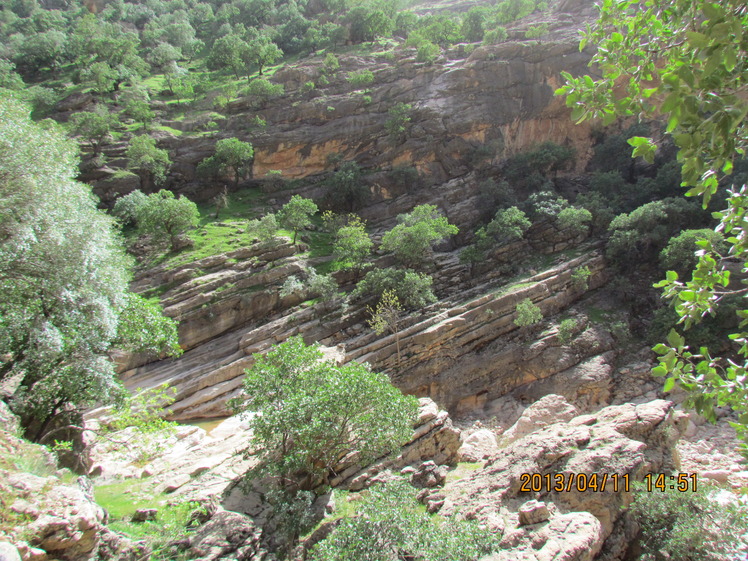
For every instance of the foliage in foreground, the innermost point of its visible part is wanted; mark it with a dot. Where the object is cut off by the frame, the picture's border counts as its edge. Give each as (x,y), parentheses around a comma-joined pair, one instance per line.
(313,412)
(391,525)
(688,526)
(63,277)
(683,59)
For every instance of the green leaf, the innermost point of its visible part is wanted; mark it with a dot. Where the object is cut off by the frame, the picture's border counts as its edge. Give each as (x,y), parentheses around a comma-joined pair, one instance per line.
(675,340)
(669,385)
(697,40)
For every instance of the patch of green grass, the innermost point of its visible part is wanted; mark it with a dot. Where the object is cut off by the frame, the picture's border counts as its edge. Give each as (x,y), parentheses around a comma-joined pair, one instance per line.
(598,315)
(122,498)
(463,470)
(171,525)
(503,290)
(164,128)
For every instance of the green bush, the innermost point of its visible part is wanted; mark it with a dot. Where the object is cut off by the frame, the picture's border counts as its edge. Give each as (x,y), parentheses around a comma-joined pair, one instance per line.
(412,289)
(360,79)
(411,239)
(580,278)
(495,36)
(680,253)
(575,220)
(427,52)
(687,526)
(397,124)
(545,205)
(536,31)
(566,330)
(639,236)
(391,524)
(527,314)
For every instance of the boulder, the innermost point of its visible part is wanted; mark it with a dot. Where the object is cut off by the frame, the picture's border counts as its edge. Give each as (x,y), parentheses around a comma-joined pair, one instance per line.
(429,475)
(226,536)
(8,552)
(549,410)
(144,514)
(479,445)
(626,441)
(533,512)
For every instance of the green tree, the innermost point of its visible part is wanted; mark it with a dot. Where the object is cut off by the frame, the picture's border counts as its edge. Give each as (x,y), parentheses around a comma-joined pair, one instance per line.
(352,244)
(262,51)
(139,110)
(397,124)
(296,214)
(63,276)
(101,75)
(411,239)
(346,187)
(262,90)
(688,526)
(151,162)
(386,317)
(473,24)
(413,290)
(314,411)
(93,126)
(263,229)
(508,225)
(126,208)
(575,220)
(683,60)
(165,216)
(229,52)
(680,255)
(231,154)
(527,313)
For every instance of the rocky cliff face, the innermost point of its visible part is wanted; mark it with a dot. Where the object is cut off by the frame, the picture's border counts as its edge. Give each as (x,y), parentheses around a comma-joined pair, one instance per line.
(493,98)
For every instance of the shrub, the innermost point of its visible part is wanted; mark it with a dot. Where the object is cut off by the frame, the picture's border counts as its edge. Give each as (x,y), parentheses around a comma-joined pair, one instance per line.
(689,526)
(126,208)
(495,36)
(360,79)
(263,90)
(291,285)
(397,124)
(411,239)
(346,187)
(575,220)
(296,214)
(427,52)
(527,314)
(314,411)
(412,289)
(580,278)
(307,87)
(536,31)
(680,253)
(331,62)
(391,524)
(566,330)
(546,204)
(639,236)
(263,229)
(352,244)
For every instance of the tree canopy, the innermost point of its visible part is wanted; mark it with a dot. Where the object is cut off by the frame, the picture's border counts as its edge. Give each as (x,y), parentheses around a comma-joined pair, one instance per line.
(411,239)
(314,411)
(685,61)
(63,276)
(296,214)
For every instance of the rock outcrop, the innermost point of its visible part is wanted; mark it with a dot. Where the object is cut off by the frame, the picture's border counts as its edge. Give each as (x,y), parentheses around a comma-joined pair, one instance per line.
(469,337)
(618,444)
